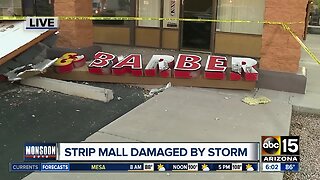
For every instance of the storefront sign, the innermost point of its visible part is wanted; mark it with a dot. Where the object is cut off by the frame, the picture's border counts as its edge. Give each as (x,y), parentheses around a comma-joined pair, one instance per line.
(186,66)
(183,70)
(68,62)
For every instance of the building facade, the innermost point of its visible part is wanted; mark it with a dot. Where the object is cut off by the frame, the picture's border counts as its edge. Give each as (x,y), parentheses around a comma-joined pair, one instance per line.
(273,46)
(243,39)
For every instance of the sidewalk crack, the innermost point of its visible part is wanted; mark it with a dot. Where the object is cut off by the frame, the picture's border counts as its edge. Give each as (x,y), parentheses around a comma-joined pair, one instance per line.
(120,136)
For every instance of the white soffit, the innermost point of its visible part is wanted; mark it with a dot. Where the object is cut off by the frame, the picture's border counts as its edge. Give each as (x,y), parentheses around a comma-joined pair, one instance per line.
(13,36)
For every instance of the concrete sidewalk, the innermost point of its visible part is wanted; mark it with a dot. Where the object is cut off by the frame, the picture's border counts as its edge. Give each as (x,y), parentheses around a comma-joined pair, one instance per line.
(194,115)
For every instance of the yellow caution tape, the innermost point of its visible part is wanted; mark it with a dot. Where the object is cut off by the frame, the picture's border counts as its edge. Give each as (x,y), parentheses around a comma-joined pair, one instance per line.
(284,24)
(311,54)
(12,18)
(102,18)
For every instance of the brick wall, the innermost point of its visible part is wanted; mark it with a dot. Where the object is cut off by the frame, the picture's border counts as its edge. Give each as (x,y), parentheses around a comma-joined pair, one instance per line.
(74,34)
(280,51)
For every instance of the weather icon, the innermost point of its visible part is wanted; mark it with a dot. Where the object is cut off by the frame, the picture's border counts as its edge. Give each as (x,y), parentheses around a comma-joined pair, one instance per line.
(205,168)
(161,168)
(249,167)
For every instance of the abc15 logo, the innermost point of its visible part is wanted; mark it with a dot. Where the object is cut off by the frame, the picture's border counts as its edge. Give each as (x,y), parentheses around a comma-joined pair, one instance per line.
(280,145)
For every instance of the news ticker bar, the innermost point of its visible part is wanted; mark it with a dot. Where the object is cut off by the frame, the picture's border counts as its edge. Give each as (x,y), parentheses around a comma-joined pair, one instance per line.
(154,167)
(135,167)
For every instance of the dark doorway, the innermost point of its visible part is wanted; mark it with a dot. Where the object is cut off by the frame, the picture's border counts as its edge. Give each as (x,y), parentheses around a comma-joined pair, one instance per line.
(196,35)
(38,7)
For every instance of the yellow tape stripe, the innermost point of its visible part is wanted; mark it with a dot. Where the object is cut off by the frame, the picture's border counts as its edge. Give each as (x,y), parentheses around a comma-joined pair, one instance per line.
(21,18)
(311,54)
(284,24)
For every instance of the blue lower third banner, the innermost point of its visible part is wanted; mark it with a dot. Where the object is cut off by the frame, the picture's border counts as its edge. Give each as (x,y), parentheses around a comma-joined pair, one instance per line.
(207,167)
(135,167)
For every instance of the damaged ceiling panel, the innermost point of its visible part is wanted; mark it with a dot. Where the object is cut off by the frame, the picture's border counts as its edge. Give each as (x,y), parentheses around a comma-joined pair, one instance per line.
(13,36)
(23,50)
(29,70)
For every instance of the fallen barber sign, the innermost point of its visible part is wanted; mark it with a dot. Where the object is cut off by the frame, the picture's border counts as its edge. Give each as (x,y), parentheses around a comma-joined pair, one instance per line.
(185,66)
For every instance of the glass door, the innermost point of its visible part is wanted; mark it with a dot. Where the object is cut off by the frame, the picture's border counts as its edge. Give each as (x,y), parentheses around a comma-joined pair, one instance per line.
(196,35)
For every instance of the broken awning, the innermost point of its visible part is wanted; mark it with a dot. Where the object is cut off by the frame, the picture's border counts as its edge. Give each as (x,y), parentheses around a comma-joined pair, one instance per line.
(14,39)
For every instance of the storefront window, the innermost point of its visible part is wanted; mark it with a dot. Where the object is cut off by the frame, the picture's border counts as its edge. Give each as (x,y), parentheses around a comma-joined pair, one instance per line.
(252,10)
(44,7)
(314,19)
(10,8)
(112,8)
(171,10)
(149,8)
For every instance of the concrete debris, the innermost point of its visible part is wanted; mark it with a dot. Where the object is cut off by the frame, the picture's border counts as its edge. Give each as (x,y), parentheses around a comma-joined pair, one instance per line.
(236,68)
(29,70)
(255,101)
(157,90)
(70,88)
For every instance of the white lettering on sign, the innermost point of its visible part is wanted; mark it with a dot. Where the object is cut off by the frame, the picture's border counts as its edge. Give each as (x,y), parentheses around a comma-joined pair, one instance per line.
(187,66)
(160,64)
(216,67)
